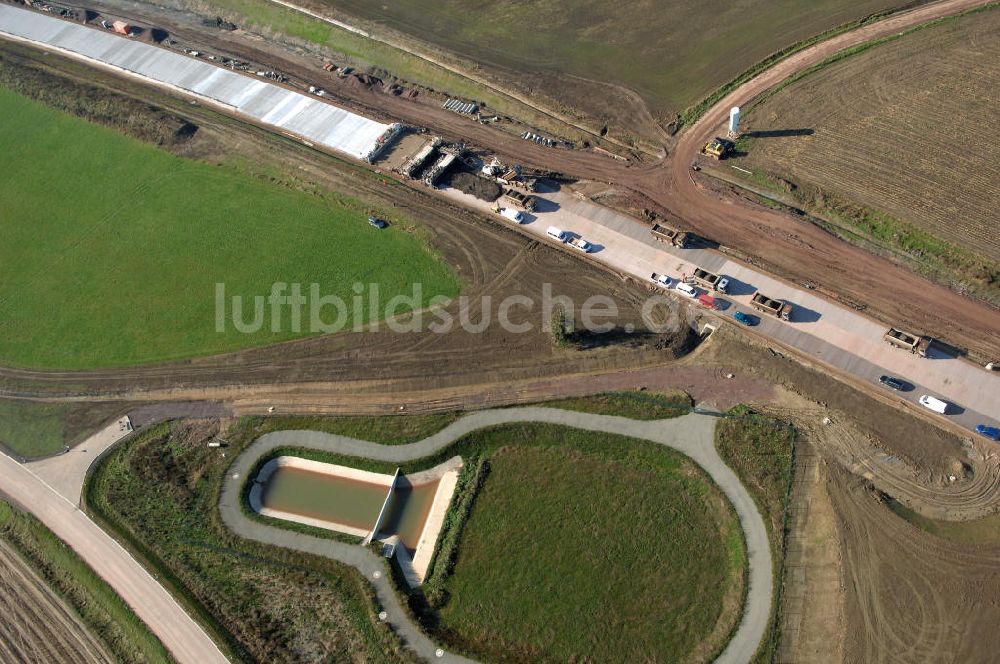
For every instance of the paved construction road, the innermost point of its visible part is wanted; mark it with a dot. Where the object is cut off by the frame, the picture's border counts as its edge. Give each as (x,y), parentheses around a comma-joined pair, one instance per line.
(181,635)
(692,435)
(819,329)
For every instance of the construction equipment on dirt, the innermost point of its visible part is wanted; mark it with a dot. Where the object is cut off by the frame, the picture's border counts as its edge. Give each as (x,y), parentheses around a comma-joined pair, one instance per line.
(916,344)
(518,200)
(439,168)
(777,308)
(666,234)
(419,160)
(718,148)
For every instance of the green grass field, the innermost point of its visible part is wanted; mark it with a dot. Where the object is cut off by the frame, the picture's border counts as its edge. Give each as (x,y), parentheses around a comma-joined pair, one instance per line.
(579,545)
(672,53)
(158,493)
(100,608)
(112,248)
(633,404)
(570,557)
(35,429)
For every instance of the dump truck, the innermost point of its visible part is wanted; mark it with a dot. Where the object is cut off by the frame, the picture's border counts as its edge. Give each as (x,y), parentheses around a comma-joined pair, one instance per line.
(667,234)
(706,278)
(778,308)
(718,148)
(519,200)
(912,342)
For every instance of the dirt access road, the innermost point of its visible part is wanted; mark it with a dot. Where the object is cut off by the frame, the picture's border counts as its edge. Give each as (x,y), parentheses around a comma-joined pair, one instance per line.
(804,250)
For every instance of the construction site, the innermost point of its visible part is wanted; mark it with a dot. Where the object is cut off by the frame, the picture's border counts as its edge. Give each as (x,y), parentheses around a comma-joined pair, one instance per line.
(849,397)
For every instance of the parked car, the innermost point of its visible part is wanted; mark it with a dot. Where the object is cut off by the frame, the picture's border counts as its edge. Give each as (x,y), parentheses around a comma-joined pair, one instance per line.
(723,285)
(892,382)
(377,223)
(992,433)
(745,319)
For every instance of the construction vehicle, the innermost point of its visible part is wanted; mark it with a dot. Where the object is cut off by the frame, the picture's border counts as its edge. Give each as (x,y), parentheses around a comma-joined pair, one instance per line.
(706,278)
(916,344)
(519,200)
(667,234)
(777,308)
(718,148)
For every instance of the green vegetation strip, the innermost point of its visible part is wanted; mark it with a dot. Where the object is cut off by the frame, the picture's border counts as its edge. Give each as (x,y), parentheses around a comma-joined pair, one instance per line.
(106,233)
(100,608)
(978,532)
(635,405)
(761,451)
(159,494)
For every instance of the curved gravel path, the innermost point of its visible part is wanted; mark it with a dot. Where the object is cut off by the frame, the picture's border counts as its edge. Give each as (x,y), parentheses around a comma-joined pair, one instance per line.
(692,435)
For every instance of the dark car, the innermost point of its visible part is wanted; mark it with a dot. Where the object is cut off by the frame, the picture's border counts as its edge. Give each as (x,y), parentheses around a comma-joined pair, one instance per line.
(746,319)
(894,383)
(990,432)
(377,223)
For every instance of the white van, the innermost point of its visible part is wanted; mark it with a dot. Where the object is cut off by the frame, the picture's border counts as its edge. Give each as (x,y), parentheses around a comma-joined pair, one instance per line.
(512,214)
(687,289)
(556,233)
(934,404)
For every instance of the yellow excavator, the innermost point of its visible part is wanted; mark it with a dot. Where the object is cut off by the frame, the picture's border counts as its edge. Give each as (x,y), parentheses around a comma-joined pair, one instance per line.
(718,148)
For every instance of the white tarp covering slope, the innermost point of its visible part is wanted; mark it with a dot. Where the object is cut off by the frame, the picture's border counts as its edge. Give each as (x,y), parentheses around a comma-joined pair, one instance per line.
(299,114)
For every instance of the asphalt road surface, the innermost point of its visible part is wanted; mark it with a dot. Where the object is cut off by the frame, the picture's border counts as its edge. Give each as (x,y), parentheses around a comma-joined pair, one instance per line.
(178,632)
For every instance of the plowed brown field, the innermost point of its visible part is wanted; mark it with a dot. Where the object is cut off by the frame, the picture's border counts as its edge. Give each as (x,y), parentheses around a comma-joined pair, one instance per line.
(909,128)
(36,625)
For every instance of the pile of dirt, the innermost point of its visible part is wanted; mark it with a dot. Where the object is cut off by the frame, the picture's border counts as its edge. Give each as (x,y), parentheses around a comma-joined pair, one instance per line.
(478,186)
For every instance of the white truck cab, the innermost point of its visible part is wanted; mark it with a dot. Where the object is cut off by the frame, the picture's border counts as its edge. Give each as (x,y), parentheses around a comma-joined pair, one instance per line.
(556,233)
(933,403)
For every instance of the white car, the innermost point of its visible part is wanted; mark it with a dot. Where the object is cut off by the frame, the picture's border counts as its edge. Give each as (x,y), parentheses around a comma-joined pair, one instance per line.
(581,244)
(556,233)
(686,289)
(661,280)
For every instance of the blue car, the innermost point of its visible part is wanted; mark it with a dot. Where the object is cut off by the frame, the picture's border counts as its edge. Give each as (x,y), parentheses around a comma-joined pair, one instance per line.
(990,432)
(746,319)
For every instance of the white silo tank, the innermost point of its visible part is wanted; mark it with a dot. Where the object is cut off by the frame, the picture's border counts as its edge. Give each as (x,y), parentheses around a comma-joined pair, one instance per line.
(734,120)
